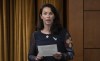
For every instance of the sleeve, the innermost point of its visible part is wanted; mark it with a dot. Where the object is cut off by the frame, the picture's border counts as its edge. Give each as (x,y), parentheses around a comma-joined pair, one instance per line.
(69,48)
(32,50)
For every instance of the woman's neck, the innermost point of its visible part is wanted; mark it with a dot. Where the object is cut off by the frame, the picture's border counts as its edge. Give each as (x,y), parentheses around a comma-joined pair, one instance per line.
(46,29)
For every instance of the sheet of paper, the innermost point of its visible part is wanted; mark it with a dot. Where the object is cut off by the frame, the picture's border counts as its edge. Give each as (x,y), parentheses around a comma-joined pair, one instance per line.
(47,50)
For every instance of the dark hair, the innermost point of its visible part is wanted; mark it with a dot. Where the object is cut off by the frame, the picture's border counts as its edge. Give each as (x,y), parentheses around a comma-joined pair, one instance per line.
(56,26)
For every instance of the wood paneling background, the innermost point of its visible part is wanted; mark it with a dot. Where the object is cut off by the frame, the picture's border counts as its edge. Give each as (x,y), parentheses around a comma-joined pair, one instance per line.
(83,23)
(75,24)
(91,30)
(91,4)
(92,55)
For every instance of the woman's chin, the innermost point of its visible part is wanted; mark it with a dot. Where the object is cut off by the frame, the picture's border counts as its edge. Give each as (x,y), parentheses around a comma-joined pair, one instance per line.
(48,23)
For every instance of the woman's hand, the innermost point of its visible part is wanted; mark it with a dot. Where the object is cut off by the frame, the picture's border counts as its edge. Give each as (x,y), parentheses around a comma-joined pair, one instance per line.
(38,57)
(57,55)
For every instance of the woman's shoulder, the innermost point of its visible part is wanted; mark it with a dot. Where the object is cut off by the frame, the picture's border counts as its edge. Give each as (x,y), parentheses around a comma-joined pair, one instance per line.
(35,32)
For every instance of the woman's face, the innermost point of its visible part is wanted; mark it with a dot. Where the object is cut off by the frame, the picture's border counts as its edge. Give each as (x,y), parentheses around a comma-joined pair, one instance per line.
(47,16)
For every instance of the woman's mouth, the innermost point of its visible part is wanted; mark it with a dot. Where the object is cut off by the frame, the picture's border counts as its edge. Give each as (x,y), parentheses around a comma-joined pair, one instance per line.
(48,20)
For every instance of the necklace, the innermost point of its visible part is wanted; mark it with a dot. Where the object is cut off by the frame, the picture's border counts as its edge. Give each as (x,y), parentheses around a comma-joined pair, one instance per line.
(47,36)
(55,38)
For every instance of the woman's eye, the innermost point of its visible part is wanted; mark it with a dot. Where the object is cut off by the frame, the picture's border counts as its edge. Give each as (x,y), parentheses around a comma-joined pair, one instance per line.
(51,13)
(44,13)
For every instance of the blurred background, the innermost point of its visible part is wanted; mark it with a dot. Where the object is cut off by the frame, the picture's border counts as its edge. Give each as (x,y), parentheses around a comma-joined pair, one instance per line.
(18,19)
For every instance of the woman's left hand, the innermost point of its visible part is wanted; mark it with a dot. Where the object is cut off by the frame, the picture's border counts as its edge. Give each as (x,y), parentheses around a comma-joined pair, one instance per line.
(57,55)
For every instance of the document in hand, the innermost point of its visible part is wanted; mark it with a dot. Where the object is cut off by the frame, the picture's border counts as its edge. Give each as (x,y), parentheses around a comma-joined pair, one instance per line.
(47,50)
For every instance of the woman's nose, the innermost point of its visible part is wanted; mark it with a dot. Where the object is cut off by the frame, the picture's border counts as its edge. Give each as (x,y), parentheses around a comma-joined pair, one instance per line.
(48,16)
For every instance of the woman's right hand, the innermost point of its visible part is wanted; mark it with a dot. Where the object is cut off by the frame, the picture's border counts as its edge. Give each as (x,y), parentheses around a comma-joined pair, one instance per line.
(57,55)
(38,57)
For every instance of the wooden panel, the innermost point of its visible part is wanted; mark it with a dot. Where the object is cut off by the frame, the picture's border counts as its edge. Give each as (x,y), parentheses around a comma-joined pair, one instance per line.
(92,55)
(75,24)
(91,4)
(92,29)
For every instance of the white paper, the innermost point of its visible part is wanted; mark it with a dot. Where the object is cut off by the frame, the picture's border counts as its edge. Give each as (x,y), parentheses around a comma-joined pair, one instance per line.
(47,50)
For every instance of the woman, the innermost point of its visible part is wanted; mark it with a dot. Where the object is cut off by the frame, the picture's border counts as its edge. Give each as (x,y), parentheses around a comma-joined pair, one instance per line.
(50,32)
